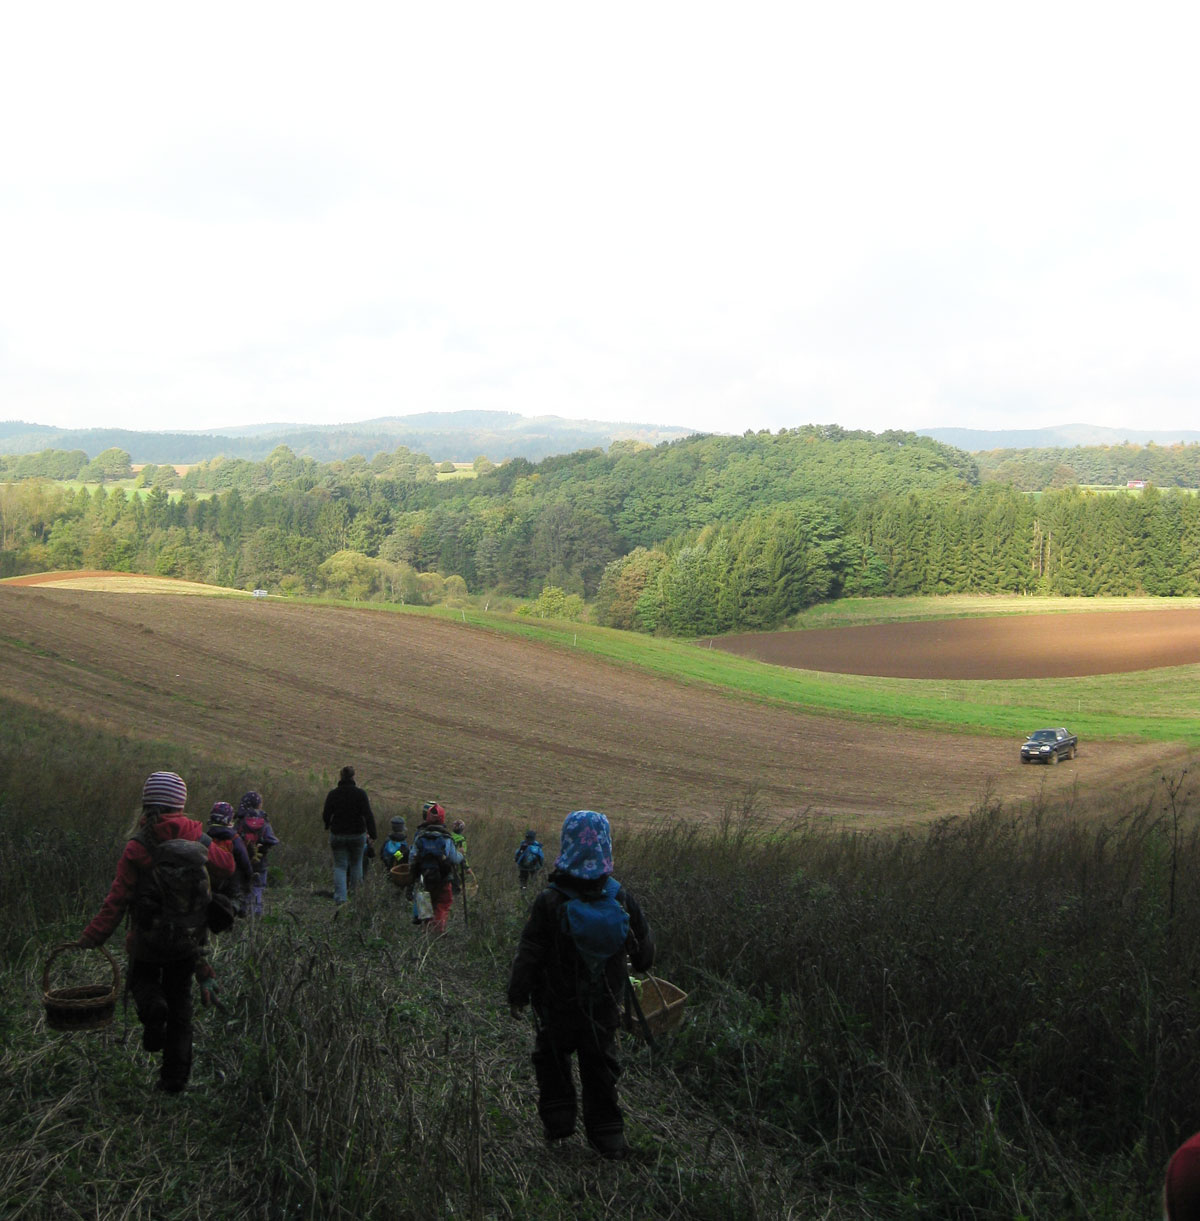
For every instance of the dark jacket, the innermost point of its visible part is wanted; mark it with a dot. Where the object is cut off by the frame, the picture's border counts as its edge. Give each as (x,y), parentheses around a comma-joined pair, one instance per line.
(546,969)
(347,810)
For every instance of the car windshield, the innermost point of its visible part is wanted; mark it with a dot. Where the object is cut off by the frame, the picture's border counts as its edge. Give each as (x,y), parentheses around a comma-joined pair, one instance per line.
(1044,735)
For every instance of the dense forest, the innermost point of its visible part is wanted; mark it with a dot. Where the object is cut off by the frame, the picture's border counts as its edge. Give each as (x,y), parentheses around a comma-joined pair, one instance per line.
(691,537)
(1036,470)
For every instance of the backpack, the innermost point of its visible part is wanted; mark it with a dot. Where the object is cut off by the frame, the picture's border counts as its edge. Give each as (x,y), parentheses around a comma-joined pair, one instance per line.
(250,829)
(530,857)
(433,867)
(598,927)
(171,901)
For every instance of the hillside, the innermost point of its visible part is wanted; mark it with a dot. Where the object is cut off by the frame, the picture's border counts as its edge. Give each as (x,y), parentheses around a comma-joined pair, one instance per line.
(484,719)
(451,436)
(1055,436)
(992,1014)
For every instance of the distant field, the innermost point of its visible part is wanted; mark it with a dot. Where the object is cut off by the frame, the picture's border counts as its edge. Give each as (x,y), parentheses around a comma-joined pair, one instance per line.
(495,712)
(850,612)
(126,485)
(1000,647)
(121,582)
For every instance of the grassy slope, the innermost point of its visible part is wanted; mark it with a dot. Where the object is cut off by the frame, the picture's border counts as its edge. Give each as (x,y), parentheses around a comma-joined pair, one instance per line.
(1155,705)
(349,1058)
(1160,705)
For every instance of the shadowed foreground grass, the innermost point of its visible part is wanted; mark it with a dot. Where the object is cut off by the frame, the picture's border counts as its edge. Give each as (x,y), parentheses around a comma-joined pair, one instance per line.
(997,1018)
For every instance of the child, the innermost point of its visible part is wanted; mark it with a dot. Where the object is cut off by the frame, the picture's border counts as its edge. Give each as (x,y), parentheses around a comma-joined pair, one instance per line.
(529,857)
(395,848)
(256,833)
(167,932)
(434,861)
(576,997)
(220,828)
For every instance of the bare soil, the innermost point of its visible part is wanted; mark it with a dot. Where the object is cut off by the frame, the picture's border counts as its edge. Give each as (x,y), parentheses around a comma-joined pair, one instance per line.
(482,720)
(1060,645)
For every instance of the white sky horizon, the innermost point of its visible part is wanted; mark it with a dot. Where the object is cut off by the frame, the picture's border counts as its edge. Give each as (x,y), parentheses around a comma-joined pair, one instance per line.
(711,216)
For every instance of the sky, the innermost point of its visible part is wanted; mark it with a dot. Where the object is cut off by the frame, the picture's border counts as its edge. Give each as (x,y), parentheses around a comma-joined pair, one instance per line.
(714,215)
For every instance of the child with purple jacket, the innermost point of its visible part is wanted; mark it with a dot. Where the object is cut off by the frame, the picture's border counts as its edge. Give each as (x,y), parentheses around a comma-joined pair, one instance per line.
(256,833)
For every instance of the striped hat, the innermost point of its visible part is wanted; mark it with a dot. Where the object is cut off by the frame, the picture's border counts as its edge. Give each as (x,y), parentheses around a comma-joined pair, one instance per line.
(164,789)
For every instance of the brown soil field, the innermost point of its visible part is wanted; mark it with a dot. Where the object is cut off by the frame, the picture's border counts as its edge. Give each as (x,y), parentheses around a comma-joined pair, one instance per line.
(1060,645)
(481,720)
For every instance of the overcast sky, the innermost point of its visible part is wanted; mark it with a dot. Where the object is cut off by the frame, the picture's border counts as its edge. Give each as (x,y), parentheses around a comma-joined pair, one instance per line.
(722,216)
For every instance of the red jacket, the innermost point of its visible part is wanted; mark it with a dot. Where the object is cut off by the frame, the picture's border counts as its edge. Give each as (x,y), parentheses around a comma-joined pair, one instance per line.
(134,859)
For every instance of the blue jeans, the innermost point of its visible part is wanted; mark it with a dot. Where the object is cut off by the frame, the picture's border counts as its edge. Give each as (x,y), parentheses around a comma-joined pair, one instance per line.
(347,863)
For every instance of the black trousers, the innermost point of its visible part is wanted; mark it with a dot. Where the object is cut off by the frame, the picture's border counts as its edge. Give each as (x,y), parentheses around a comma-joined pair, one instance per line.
(595,1047)
(163,991)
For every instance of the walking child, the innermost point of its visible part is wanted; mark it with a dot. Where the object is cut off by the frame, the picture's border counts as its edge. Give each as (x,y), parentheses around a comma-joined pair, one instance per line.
(434,862)
(255,832)
(395,848)
(164,880)
(529,857)
(583,932)
(236,888)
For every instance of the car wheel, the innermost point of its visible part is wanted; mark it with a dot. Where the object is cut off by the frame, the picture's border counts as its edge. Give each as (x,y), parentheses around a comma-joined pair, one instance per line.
(1053,757)
(1073,750)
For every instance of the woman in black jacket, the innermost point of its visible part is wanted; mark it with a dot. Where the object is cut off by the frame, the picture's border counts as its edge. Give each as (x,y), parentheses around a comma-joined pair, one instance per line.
(583,933)
(351,825)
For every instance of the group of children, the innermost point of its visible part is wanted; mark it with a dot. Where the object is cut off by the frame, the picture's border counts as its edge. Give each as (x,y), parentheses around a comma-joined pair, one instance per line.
(437,860)
(250,836)
(583,933)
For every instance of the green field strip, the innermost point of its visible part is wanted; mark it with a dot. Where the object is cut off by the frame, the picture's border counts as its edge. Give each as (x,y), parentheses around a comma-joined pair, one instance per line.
(1161,705)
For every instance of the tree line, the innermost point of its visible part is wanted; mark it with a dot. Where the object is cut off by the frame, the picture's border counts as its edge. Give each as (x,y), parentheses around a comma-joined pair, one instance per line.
(694,537)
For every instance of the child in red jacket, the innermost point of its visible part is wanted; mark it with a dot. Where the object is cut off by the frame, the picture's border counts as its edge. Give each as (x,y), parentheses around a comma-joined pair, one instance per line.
(167,929)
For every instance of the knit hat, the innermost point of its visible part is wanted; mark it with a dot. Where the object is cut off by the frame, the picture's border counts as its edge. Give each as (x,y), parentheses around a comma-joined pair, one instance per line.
(1181,1195)
(460,827)
(250,803)
(398,824)
(531,834)
(164,789)
(221,814)
(586,846)
(433,812)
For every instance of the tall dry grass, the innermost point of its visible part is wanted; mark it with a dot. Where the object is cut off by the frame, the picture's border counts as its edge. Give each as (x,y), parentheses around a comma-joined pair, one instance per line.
(996,1018)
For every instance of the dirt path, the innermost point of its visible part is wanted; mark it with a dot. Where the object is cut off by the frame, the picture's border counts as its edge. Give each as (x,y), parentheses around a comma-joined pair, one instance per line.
(484,720)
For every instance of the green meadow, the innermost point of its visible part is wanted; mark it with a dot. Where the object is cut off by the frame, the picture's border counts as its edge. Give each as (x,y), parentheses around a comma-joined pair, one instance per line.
(1161,705)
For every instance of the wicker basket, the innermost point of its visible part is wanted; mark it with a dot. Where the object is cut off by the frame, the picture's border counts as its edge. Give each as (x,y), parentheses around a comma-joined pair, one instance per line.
(399,874)
(662,1007)
(85,1007)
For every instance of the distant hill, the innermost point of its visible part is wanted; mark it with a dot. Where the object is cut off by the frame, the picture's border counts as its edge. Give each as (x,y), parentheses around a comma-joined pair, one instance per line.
(1059,436)
(455,436)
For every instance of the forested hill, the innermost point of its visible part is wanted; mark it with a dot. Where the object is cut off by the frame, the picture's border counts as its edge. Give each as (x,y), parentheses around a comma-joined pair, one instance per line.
(707,534)
(455,436)
(1035,470)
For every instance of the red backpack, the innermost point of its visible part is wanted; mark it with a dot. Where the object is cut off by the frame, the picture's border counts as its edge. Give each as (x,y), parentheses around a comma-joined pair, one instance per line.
(250,830)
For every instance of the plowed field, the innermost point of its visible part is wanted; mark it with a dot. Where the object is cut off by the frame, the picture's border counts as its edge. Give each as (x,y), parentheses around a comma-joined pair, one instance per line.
(480,719)
(1009,646)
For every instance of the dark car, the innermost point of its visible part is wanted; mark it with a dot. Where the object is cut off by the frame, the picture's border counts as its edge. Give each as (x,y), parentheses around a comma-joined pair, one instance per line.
(1048,746)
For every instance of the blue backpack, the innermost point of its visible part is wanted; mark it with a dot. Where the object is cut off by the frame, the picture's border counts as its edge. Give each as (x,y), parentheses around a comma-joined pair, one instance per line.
(431,860)
(531,857)
(598,927)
